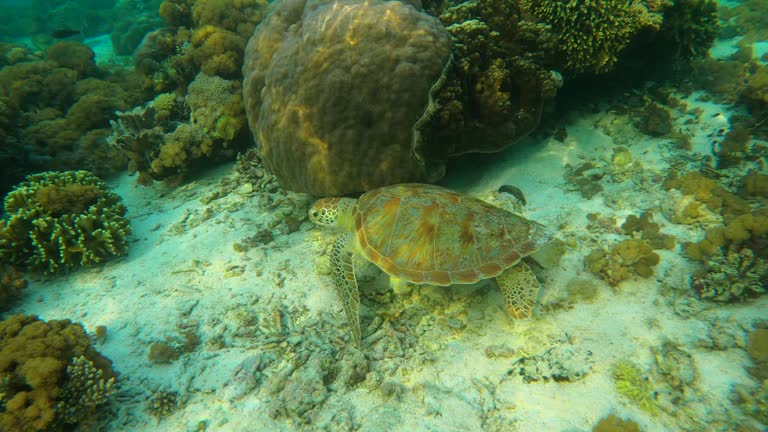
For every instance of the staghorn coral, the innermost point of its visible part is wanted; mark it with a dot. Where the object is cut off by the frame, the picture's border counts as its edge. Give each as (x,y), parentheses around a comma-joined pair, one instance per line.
(344,93)
(86,387)
(52,378)
(627,258)
(58,221)
(690,26)
(591,34)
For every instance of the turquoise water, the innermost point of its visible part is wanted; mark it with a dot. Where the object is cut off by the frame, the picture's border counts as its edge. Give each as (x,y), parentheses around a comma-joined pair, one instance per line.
(596,261)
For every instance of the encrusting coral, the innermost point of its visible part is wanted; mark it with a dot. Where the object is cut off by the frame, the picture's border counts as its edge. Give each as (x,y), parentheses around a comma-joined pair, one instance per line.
(51,378)
(58,221)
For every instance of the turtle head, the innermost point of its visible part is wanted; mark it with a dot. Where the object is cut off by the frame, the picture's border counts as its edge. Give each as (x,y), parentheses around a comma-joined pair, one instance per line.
(333,212)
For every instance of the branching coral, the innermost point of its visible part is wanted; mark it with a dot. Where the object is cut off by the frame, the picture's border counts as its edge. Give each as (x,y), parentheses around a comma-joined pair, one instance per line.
(592,33)
(691,25)
(51,378)
(631,383)
(59,221)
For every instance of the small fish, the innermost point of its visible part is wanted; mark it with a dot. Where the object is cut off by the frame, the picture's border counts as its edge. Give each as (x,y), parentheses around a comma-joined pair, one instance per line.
(64,33)
(514,191)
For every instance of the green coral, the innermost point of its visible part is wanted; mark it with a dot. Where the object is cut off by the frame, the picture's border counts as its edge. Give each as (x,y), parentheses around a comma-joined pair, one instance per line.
(58,221)
(631,383)
(592,33)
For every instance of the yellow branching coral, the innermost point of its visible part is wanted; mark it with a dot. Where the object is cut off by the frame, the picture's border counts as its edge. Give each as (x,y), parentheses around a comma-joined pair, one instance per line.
(631,383)
(592,33)
(59,221)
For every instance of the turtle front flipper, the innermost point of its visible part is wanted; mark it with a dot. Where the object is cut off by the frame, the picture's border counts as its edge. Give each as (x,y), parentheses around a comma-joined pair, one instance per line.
(520,289)
(346,283)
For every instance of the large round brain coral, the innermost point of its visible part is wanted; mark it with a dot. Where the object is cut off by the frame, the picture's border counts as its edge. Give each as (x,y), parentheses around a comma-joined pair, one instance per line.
(333,91)
(58,221)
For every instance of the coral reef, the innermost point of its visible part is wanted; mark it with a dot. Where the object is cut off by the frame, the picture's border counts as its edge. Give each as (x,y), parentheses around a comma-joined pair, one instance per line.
(51,378)
(12,283)
(325,122)
(171,136)
(612,423)
(757,348)
(648,230)
(591,34)
(627,258)
(163,403)
(563,362)
(216,106)
(54,112)
(58,221)
(631,383)
(493,92)
(690,26)
(734,276)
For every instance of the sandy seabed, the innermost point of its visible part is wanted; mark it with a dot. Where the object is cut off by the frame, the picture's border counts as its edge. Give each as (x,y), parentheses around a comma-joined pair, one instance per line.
(232,280)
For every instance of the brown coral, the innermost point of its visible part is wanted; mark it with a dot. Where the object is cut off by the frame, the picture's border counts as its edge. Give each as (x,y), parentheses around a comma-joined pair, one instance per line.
(629,257)
(346,86)
(36,372)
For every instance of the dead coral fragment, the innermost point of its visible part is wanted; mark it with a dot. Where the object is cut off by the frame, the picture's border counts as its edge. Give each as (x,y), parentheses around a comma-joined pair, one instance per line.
(629,257)
(63,220)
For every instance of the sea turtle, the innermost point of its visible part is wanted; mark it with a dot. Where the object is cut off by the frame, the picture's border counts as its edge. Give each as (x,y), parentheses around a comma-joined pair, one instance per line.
(426,234)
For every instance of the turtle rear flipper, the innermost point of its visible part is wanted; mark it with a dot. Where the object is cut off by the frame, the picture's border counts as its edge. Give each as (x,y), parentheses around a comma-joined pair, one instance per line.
(520,288)
(346,283)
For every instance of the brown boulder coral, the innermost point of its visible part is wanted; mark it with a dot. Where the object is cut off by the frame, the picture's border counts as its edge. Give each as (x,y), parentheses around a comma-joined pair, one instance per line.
(333,92)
